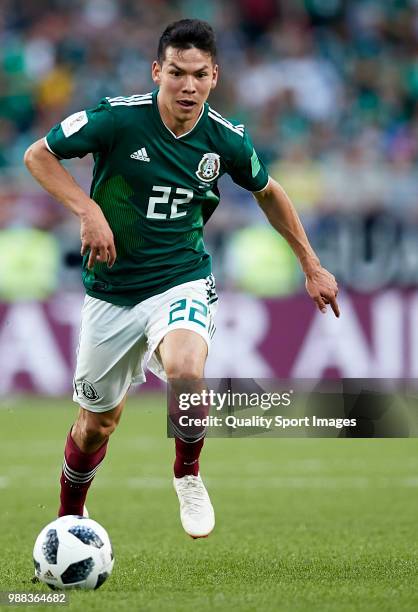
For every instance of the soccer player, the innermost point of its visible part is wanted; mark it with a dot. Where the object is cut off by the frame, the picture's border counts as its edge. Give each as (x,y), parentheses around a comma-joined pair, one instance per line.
(157,159)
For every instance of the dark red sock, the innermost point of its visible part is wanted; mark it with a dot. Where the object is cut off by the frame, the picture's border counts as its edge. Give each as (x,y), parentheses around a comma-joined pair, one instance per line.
(187,458)
(78,471)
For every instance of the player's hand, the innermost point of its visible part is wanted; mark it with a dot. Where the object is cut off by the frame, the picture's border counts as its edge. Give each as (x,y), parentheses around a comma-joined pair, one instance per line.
(97,237)
(323,289)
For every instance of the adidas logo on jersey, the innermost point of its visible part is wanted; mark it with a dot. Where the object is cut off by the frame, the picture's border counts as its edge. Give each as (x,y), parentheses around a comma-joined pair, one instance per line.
(141,155)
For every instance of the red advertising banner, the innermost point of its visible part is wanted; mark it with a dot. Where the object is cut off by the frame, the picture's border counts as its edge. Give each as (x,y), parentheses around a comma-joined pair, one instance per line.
(375,337)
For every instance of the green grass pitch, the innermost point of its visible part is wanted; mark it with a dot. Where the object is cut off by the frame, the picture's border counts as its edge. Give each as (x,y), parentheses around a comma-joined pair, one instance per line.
(302,524)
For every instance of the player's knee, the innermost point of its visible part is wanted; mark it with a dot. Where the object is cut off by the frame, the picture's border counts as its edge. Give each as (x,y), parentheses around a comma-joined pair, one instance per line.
(102,430)
(95,428)
(185,368)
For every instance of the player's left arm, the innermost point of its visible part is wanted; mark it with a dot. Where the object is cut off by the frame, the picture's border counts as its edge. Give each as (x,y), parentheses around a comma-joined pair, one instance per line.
(281,214)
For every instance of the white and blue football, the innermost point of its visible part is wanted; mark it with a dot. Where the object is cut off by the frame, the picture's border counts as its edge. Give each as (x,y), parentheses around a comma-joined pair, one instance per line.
(73,552)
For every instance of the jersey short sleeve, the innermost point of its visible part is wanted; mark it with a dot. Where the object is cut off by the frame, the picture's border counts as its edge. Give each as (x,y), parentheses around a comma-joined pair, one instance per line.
(87,131)
(249,171)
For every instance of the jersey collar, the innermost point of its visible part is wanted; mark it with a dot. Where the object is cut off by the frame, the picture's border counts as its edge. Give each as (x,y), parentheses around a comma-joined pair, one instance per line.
(199,122)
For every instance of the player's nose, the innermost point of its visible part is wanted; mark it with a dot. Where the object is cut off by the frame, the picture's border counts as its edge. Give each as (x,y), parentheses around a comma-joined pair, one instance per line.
(189,85)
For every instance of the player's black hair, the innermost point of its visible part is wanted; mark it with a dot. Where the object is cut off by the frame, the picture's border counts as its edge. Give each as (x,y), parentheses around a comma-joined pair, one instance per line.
(186,34)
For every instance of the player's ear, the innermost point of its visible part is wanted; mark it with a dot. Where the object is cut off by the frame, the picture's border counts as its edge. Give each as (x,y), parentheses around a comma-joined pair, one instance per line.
(215,76)
(156,72)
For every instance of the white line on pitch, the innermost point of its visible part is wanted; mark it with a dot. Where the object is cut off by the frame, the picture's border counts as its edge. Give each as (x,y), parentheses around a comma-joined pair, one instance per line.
(245,483)
(4,482)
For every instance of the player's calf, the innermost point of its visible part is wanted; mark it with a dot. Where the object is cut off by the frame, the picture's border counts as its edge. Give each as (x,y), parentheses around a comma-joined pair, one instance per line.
(85,449)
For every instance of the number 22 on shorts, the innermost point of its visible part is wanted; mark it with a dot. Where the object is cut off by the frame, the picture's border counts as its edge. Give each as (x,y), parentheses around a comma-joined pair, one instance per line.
(188,310)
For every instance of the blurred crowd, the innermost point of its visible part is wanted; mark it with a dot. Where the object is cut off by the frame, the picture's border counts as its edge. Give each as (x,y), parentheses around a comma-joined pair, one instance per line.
(327,88)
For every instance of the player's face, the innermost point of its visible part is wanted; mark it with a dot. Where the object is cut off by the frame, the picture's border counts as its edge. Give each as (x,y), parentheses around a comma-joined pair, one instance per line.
(185,79)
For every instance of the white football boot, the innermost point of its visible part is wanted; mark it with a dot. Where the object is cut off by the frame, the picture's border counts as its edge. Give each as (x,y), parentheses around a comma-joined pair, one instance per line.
(196,511)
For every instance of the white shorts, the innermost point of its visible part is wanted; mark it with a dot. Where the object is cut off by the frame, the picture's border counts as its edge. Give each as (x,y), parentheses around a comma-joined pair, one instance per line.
(117,342)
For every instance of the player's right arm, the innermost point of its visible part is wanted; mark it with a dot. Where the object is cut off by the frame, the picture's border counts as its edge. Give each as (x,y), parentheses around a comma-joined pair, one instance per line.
(90,131)
(96,235)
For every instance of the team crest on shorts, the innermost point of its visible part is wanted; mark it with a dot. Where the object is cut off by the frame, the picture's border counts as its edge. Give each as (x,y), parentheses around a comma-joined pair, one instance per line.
(88,390)
(208,168)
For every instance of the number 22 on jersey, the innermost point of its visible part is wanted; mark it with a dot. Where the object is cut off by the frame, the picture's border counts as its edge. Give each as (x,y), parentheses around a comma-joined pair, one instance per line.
(164,198)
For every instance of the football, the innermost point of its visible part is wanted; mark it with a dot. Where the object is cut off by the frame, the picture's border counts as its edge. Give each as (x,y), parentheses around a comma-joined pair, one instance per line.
(73,552)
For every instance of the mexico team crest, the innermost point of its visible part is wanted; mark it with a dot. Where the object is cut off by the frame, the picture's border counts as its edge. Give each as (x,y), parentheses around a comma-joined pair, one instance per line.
(88,390)
(208,168)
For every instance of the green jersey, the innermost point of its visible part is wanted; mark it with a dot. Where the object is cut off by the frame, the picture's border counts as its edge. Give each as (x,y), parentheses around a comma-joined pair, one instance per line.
(155,189)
